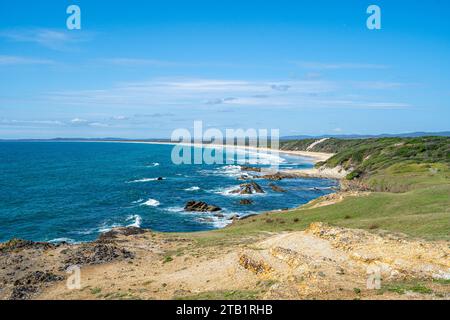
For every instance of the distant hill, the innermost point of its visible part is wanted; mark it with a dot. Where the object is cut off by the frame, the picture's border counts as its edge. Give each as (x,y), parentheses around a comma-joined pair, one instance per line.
(384,135)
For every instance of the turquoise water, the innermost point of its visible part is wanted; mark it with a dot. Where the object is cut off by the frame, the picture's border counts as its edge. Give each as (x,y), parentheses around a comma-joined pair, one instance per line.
(72,191)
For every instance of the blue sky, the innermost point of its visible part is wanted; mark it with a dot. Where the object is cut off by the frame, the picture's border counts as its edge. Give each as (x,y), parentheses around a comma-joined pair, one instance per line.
(140,69)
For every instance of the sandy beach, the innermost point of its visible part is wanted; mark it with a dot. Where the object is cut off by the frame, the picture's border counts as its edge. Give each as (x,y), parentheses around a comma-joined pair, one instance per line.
(314,156)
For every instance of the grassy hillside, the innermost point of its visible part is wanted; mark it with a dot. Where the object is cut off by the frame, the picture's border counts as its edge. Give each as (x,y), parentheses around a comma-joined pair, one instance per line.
(410,178)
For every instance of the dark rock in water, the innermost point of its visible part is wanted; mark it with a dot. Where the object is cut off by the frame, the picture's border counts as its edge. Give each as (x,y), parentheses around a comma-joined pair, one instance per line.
(219,215)
(160,179)
(246,202)
(114,233)
(29,285)
(234,217)
(245,177)
(248,188)
(278,176)
(254,169)
(96,253)
(199,206)
(275,177)
(276,188)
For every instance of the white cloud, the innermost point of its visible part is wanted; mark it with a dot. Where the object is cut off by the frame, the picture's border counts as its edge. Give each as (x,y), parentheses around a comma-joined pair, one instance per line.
(98,124)
(162,95)
(49,38)
(137,62)
(18,60)
(378,85)
(14,122)
(119,118)
(78,121)
(335,66)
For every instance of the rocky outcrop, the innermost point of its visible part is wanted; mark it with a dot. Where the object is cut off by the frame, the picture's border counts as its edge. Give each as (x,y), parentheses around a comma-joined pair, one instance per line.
(246,202)
(246,177)
(199,206)
(278,176)
(248,188)
(29,285)
(257,267)
(125,231)
(276,188)
(254,169)
(95,253)
(19,244)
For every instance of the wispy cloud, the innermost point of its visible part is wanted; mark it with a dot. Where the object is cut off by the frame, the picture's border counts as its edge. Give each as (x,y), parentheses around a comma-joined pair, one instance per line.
(14,122)
(191,92)
(137,62)
(155,115)
(54,39)
(220,101)
(379,85)
(174,95)
(18,60)
(280,87)
(334,66)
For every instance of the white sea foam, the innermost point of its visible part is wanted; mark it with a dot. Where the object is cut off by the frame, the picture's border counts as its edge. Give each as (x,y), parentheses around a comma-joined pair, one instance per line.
(105,228)
(137,221)
(245,156)
(151,203)
(59,240)
(152,165)
(138,201)
(143,180)
(175,209)
(195,188)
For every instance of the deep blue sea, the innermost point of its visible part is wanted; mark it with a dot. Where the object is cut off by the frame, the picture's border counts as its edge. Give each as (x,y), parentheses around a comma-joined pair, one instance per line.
(72,191)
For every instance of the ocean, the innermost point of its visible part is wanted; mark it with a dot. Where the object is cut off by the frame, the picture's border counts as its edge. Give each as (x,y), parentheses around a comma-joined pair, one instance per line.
(73,191)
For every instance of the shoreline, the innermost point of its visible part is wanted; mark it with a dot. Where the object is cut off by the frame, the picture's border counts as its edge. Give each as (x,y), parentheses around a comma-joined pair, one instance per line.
(313,157)
(337,173)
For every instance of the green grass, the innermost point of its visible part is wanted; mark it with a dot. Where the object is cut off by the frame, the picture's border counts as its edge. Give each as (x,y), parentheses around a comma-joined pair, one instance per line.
(410,180)
(405,287)
(421,212)
(96,290)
